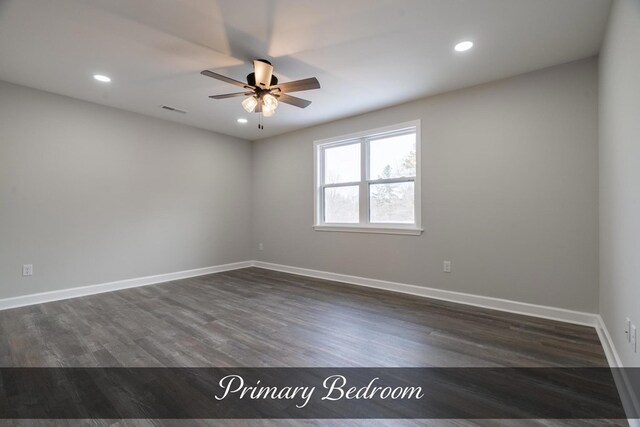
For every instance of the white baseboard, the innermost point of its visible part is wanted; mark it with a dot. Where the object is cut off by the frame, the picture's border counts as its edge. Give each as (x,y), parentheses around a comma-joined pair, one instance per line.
(546,312)
(553,313)
(630,400)
(21,301)
(607,344)
(627,396)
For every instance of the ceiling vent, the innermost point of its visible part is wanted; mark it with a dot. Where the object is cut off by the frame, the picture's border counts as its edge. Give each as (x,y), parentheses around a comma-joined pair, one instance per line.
(174,109)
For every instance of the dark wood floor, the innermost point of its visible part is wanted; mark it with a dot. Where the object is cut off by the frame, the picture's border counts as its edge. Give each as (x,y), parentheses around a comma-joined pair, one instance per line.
(311,423)
(256,317)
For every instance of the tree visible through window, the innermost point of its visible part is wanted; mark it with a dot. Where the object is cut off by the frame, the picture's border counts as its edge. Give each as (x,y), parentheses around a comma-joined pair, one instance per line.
(369,180)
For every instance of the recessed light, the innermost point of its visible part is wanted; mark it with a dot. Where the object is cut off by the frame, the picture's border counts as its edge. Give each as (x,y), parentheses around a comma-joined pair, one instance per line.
(462,46)
(243,121)
(101,78)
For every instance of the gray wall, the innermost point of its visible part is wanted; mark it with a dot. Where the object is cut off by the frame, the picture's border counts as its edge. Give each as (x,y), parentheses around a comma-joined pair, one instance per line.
(509,193)
(620,175)
(91,194)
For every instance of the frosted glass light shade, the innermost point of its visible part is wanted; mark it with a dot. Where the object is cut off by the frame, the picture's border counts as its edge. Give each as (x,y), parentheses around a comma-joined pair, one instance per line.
(267,112)
(269,102)
(250,104)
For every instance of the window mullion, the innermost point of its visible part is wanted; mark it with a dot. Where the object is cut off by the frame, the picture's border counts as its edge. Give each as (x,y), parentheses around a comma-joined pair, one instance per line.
(342,184)
(364,186)
(320,189)
(391,180)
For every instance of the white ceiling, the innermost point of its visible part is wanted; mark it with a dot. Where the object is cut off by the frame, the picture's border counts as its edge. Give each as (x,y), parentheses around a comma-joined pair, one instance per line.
(367,54)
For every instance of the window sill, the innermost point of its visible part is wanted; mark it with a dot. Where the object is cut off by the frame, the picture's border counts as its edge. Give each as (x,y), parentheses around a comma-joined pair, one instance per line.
(406,231)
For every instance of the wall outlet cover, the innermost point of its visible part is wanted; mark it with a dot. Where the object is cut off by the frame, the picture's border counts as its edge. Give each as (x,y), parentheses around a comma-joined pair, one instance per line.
(27,270)
(447,266)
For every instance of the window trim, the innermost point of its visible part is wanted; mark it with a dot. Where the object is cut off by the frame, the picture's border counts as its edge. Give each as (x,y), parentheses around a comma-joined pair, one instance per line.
(364,226)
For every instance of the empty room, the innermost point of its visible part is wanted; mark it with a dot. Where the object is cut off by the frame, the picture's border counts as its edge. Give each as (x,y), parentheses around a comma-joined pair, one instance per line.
(320,213)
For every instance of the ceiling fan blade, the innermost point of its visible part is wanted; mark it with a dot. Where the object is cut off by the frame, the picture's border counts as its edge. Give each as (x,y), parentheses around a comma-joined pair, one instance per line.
(226,79)
(299,85)
(230,95)
(292,100)
(263,73)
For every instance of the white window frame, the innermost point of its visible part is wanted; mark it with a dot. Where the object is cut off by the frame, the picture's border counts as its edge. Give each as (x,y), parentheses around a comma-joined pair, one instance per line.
(363,138)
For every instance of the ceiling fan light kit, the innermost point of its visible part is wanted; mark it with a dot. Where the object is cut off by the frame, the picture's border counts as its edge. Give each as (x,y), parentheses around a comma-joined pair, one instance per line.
(269,102)
(263,91)
(249,104)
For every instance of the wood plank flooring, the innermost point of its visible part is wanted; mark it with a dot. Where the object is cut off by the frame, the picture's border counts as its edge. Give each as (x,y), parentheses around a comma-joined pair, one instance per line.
(255,317)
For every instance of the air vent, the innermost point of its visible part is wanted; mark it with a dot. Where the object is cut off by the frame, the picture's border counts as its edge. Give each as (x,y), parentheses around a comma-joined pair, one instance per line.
(174,109)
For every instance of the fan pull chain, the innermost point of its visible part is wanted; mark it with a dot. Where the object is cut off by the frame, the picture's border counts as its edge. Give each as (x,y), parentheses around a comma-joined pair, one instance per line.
(260,125)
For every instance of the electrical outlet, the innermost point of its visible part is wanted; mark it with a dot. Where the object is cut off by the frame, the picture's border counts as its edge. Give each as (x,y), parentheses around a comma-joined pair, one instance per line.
(627,329)
(260,246)
(27,270)
(447,266)
(634,341)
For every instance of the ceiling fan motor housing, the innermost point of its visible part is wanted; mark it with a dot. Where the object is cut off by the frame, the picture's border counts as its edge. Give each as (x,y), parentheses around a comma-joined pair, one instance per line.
(251,79)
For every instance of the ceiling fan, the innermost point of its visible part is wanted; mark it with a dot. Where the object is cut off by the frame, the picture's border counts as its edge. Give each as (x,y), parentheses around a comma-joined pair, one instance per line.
(263,91)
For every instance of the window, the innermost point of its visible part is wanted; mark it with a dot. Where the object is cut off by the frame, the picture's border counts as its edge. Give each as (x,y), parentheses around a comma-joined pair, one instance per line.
(369,182)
